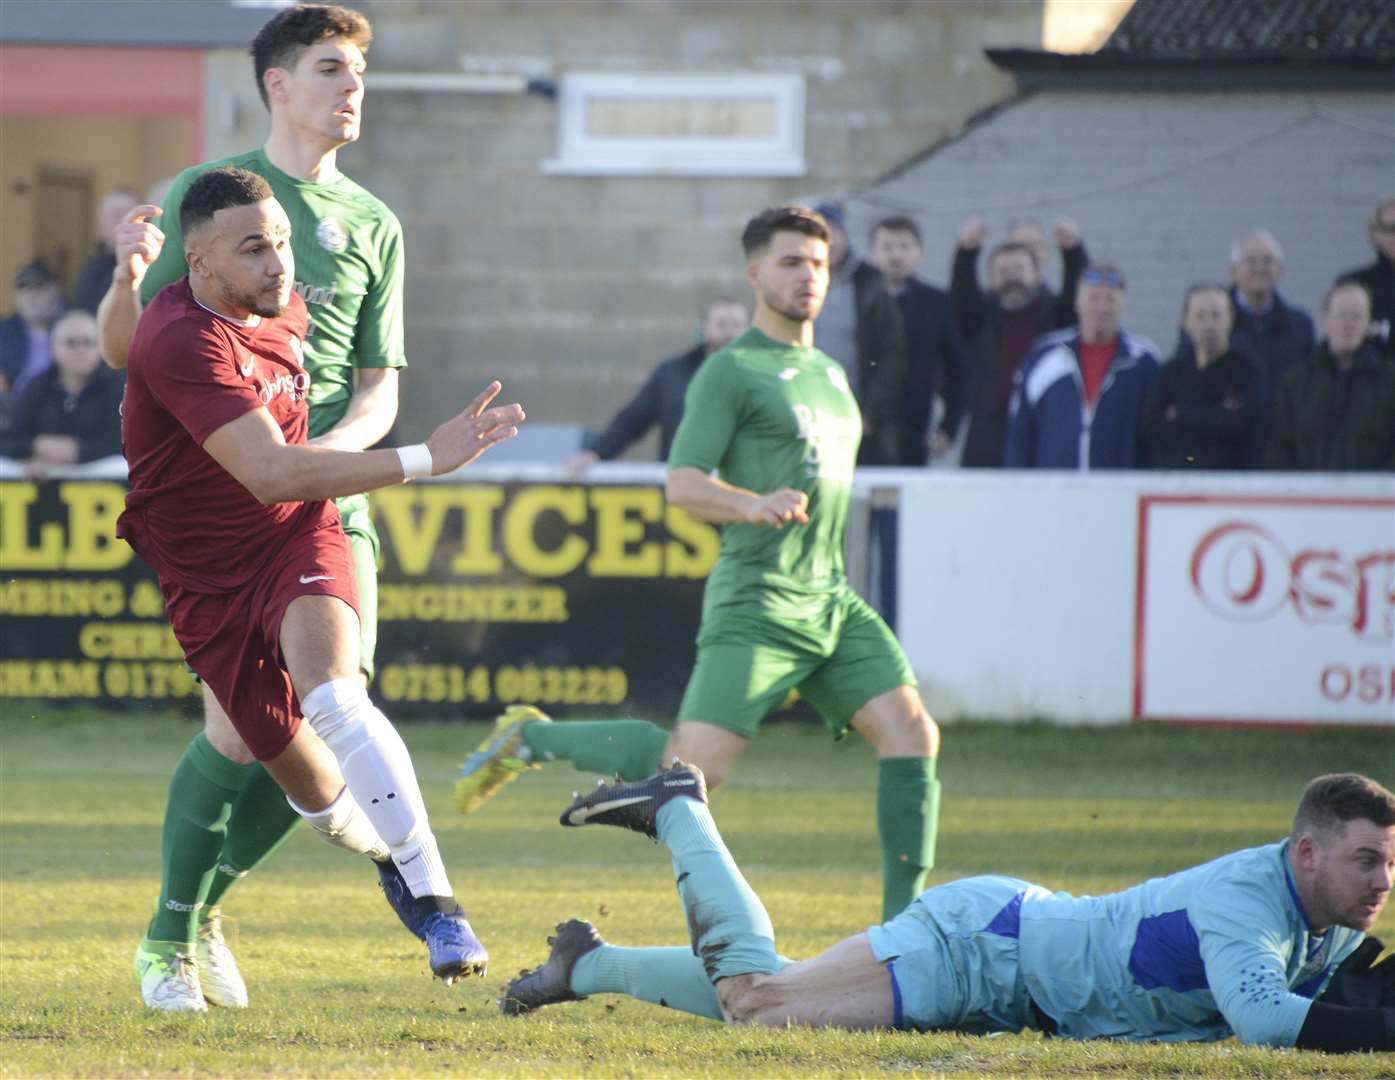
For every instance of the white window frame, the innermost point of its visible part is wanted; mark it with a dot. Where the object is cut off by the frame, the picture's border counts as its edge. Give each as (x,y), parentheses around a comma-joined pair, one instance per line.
(581,154)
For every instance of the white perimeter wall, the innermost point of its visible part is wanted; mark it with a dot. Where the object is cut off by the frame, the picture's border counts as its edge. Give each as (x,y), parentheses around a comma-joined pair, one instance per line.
(1019,596)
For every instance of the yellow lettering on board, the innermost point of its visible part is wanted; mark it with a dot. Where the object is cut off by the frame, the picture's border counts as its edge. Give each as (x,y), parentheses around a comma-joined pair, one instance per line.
(621,513)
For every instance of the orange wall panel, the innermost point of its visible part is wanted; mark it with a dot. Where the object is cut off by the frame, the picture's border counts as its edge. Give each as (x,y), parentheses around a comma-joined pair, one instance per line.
(61,80)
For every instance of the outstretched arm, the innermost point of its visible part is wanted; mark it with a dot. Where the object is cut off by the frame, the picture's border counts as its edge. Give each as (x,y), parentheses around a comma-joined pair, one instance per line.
(254,451)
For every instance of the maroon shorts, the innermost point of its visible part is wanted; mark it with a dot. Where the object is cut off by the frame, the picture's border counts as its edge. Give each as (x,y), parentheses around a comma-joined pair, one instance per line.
(232,639)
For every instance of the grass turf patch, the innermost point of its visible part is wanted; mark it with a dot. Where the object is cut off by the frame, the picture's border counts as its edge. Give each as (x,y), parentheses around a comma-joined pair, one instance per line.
(339,990)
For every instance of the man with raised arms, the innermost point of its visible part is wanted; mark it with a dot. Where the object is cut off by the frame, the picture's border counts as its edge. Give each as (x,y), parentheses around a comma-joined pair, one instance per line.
(228,503)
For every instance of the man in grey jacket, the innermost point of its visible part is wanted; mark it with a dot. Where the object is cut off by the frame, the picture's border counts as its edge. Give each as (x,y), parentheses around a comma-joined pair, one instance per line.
(861,328)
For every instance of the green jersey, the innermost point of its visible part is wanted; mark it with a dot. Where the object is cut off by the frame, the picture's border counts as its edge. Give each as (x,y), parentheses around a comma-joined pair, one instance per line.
(348,270)
(768,416)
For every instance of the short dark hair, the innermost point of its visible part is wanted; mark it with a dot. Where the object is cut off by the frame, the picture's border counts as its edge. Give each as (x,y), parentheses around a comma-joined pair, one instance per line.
(761,229)
(1330,801)
(897,223)
(1206,286)
(1010,247)
(289,33)
(1345,283)
(217,189)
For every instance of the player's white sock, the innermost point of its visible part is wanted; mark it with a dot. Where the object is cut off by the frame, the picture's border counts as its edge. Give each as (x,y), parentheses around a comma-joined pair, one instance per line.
(344,824)
(378,771)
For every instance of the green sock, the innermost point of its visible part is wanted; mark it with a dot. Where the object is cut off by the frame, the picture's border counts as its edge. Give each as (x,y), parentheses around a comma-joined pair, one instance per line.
(631,749)
(202,791)
(261,821)
(908,809)
(672,977)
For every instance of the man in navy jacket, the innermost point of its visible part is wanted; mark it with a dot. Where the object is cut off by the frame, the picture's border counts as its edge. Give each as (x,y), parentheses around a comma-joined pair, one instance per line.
(1080,393)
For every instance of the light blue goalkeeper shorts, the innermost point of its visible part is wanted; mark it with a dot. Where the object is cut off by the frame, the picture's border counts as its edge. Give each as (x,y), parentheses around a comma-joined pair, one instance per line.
(952,955)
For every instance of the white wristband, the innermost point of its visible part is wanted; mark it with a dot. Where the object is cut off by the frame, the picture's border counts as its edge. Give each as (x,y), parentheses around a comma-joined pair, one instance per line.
(416,460)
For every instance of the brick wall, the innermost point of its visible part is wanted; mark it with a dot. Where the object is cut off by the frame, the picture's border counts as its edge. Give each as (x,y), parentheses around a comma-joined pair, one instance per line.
(570,289)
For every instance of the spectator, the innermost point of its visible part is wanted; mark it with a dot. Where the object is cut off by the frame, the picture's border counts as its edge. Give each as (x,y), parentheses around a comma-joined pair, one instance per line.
(1201,411)
(1079,396)
(1030,234)
(1270,330)
(94,278)
(1379,277)
(24,352)
(932,349)
(660,399)
(861,328)
(997,328)
(1336,411)
(70,413)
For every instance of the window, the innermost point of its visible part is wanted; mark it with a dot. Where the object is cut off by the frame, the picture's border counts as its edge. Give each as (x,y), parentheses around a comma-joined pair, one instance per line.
(680,125)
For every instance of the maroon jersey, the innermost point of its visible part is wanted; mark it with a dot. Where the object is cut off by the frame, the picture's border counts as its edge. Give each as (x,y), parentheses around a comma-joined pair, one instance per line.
(189,372)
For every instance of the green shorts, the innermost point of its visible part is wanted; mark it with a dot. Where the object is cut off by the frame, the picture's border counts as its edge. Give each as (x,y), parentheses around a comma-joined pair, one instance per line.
(747,663)
(363,540)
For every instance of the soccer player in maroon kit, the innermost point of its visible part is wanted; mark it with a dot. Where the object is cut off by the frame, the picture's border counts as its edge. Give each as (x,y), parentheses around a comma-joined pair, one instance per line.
(229,505)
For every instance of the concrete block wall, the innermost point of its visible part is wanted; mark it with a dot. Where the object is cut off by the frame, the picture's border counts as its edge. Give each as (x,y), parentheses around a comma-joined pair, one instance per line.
(1162,182)
(571,289)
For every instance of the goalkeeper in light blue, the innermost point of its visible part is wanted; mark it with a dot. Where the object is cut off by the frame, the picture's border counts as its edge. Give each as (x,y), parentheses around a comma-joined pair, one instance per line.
(1268,944)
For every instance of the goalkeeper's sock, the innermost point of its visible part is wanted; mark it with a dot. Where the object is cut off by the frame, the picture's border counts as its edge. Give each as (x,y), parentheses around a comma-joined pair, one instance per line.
(261,821)
(908,810)
(731,929)
(202,791)
(672,977)
(630,749)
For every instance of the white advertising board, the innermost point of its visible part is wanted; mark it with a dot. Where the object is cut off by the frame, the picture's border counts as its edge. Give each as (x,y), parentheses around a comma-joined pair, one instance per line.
(1265,609)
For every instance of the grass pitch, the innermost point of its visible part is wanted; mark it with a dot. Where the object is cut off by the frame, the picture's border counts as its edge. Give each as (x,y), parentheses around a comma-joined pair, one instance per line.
(339,990)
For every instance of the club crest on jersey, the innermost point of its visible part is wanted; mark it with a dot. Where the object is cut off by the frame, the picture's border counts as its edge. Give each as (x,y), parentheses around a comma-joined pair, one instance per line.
(299,352)
(331,235)
(789,373)
(839,378)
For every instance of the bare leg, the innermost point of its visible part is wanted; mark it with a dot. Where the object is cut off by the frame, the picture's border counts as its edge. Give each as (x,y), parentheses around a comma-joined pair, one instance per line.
(897,725)
(714,750)
(843,987)
(219,731)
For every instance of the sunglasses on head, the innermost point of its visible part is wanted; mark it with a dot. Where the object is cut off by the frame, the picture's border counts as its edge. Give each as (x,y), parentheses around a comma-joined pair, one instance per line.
(1102,277)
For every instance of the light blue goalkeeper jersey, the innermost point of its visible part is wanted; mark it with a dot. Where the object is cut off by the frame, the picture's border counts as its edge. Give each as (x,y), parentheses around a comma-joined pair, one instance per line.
(1222,947)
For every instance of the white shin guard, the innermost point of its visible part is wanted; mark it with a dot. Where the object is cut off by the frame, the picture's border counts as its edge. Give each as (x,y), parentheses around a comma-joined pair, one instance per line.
(378,772)
(344,824)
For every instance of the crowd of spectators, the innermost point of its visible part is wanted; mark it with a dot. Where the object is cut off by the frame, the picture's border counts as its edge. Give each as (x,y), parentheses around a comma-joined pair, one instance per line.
(1011,372)
(1056,380)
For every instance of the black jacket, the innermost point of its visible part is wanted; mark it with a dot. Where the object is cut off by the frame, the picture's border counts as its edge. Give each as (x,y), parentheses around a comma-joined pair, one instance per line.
(93,416)
(933,365)
(1277,340)
(978,319)
(94,279)
(14,349)
(1379,279)
(1198,418)
(881,366)
(659,401)
(1335,420)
